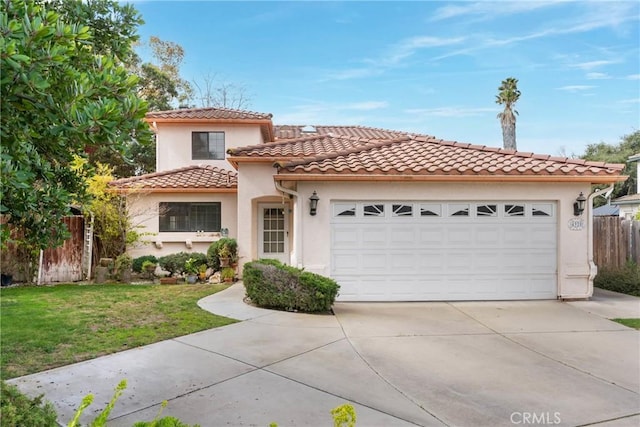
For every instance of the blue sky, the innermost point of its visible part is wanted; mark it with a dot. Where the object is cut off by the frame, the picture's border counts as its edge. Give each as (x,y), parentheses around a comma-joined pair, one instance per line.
(428,67)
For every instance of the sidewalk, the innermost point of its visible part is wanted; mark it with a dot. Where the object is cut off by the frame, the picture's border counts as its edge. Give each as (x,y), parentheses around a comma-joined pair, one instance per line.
(610,305)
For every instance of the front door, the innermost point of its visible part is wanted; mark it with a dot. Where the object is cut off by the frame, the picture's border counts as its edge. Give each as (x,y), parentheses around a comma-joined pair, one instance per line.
(273,237)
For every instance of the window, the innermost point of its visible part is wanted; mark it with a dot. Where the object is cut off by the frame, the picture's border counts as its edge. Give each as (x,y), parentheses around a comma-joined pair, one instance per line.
(542,209)
(458,210)
(345,209)
(430,210)
(190,216)
(207,146)
(514,210)
(373,210)
(486,210)
(402,210)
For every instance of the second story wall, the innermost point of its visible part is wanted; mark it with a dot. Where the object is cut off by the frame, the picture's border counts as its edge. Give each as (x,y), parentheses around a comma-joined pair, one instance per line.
(175,146)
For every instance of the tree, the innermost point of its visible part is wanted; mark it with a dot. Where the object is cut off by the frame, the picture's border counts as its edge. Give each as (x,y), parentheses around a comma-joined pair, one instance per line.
(508,95)
(60,98)
(628,146)
(210,93)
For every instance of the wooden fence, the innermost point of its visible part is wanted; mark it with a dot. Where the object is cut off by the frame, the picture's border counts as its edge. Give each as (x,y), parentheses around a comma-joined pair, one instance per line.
(61,264)
(615,241)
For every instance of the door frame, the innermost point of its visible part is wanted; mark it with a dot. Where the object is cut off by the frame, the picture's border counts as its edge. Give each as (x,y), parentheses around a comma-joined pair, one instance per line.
(284,257)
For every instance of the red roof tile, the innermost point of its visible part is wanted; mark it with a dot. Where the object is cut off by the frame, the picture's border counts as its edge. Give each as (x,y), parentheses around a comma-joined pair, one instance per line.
(186,178)
(426,156)
(299,131)
(207,113)
(309,146)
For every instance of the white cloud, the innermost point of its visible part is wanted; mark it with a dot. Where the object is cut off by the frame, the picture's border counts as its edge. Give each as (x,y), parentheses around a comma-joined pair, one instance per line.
(409,46)
(590,65)
(575,88)
(629,101)
(633,77)
(451,111)
(488,10)
(598,76)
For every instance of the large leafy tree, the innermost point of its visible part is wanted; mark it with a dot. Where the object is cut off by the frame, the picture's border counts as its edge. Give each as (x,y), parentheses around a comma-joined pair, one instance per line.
(508,95)
(628,146)
(62,95)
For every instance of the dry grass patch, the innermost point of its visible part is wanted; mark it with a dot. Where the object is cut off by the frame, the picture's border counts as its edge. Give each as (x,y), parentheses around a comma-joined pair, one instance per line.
(50,326)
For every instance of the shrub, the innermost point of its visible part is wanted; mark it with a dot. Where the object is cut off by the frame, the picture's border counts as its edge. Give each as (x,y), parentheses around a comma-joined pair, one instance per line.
(19,410)
(625,280)
(271,284)
(175,263)
(137,263)
(213,253)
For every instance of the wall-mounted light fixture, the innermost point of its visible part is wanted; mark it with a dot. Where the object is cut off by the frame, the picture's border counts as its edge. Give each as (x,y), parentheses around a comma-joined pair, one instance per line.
(313,203)
(579,204)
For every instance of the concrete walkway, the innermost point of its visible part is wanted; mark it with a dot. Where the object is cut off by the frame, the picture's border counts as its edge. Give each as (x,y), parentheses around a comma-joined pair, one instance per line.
(457,364)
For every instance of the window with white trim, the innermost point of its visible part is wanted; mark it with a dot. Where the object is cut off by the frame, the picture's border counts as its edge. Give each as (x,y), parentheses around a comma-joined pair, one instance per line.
(542,209)
(513,210)
(431,209)
(373,210)
(487,210)
(402,210)
(189,217)
(458,209)
(344,209)
(207,146)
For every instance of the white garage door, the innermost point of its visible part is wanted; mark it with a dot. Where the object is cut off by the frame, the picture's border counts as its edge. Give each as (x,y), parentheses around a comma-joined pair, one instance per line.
(429,251)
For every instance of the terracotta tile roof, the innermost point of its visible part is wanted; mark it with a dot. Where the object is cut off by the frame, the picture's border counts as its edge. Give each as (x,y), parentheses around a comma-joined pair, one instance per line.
(427,156)
(214,115)
(208,113)
(309,146)
(186,178)
(298,131)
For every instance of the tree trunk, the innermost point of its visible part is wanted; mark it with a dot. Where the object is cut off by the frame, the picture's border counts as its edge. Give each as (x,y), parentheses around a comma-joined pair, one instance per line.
(509,136)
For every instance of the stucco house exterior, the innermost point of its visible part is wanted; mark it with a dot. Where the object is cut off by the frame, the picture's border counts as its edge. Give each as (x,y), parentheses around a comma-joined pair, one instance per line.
(399,216)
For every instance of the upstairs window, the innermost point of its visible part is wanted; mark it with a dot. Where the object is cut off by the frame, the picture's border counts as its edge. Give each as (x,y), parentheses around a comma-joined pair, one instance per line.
(190,217)
(207,146)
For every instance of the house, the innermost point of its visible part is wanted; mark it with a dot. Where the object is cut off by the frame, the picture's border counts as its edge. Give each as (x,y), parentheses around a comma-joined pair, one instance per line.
(390,215)
(629,205)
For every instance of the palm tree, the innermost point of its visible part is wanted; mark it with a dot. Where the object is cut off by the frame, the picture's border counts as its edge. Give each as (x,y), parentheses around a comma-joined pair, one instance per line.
(508,95)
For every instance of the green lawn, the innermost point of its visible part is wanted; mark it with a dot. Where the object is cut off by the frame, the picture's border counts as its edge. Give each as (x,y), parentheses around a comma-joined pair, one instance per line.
(49,326)
(632,323)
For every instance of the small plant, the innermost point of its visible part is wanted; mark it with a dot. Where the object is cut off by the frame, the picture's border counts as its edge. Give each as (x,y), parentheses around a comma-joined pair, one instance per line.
(123,266)
(19,410)
(191,266)
(344,416)
(137,263)
(149,268)
(227,274)
(225,248)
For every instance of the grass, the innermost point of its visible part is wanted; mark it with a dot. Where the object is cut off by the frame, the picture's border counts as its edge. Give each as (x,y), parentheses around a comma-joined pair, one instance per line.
(632,323)
(46,327)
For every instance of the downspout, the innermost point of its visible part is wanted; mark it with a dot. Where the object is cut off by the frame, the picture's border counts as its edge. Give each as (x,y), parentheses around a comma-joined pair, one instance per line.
(593,268)
(297,224)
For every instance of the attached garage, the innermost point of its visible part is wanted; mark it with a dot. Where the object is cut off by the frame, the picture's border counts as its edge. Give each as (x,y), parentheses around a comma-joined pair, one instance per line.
(432,250)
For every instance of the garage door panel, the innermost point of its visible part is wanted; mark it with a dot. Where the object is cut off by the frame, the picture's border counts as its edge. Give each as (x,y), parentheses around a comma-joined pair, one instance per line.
(439,257)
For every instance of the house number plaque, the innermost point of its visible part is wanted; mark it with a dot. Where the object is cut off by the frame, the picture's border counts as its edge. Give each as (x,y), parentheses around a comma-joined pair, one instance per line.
(576,224)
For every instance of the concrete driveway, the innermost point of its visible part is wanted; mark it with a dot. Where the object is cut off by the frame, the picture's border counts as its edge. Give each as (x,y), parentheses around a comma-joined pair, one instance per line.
(430,364)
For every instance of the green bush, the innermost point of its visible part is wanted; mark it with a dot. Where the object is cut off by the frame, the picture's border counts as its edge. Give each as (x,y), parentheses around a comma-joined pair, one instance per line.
(213,257)
(271,284)
(175,263)
(137,263)
(625,280)
(19,410)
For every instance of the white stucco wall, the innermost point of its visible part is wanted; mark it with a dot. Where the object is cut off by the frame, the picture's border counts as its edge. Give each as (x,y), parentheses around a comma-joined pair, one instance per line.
(257,187)
(173,143)
(573,266)
(144,213)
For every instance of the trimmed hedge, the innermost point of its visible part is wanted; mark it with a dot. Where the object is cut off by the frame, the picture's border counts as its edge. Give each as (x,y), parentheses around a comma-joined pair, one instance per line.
(271,284)
(174,263)
(137,263)
(625,280)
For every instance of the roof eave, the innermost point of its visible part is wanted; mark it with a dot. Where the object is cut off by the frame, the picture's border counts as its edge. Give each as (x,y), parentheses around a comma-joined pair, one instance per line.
(147,190)
(450,178)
